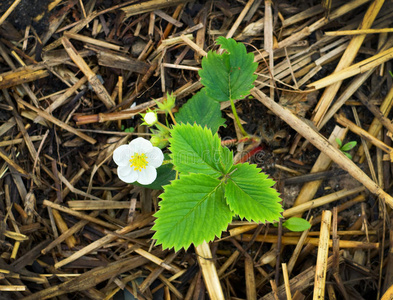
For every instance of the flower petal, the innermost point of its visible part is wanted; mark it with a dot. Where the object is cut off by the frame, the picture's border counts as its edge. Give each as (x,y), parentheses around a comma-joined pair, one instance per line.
(155,157)
(122,155)
(127,174)
(147,176)
(141,145)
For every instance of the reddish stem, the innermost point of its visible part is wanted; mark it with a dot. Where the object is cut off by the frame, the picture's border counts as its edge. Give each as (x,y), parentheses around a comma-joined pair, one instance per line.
(251,153)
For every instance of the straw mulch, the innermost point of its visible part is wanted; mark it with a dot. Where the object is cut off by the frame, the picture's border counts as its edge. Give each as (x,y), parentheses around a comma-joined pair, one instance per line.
(75,74)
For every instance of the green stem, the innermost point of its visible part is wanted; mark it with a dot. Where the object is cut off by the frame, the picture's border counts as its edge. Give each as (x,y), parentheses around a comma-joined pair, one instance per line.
(173,118)
(237,119)
(164,126)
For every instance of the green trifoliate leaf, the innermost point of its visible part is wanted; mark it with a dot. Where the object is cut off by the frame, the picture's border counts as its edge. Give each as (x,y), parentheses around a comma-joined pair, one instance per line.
(193,210)
(202,110)
(296,224)
(348,146)
(229,75)
(196,150)
(249,194)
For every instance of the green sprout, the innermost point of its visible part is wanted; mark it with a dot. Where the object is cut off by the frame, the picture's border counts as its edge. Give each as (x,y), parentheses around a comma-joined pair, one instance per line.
(129,129)
(295,224)
(346,147)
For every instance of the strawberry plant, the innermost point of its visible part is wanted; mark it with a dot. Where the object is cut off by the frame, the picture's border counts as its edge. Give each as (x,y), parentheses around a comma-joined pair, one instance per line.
(209,188)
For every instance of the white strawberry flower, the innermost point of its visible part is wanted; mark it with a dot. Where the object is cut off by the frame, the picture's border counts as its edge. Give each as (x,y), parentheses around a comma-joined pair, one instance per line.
(138,161)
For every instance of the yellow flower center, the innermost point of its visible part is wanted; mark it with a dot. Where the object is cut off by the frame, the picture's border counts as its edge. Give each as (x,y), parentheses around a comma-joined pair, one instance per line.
(138,161)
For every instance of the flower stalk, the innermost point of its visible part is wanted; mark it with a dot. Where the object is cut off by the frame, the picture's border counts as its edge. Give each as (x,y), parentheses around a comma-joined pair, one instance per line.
(172,117)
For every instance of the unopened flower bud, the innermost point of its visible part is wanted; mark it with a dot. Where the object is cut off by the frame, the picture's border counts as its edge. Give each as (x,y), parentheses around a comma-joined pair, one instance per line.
(150,118)
(158,141)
